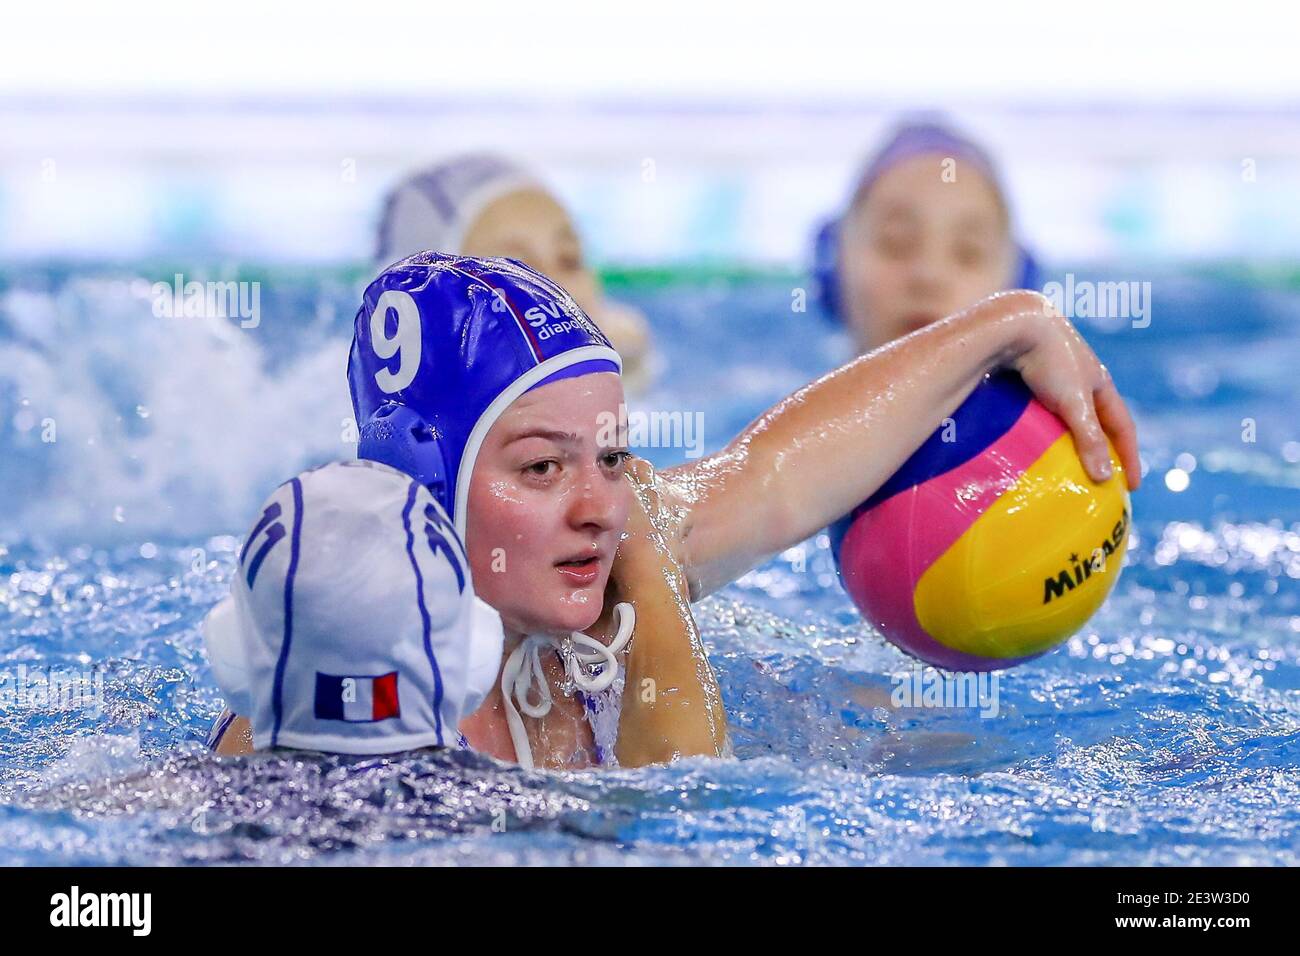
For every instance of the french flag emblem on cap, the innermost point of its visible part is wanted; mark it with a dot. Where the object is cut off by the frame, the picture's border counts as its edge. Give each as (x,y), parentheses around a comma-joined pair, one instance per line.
(357,700)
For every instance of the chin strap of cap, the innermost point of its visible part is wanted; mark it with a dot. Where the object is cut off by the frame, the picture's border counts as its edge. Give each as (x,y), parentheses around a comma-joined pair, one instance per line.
(581,655)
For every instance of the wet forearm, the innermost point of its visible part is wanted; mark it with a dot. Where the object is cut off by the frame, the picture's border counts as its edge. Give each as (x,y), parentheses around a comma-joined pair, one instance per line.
(818,453)
(672,706)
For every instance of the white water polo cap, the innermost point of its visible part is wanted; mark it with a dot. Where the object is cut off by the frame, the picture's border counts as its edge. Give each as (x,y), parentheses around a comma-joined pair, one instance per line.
(352,625)
(434,208)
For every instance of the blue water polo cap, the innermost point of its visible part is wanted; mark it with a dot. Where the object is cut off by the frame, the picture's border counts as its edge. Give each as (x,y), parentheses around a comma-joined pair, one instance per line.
(922,137)
(443,345)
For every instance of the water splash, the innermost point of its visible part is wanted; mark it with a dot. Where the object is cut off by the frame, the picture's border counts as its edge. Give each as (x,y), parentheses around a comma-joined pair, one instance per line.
(1166,732)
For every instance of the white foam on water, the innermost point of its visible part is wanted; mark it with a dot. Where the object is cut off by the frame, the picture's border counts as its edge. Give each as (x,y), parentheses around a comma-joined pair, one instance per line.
(122,424)
(92,759)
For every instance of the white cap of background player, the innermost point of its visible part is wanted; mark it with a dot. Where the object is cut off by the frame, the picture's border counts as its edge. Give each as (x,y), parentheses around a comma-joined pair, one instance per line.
(432,209)
(352,625)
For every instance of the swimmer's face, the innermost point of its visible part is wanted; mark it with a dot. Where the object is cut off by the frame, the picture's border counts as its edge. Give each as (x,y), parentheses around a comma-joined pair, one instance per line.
(529,225)
(548,488)
(917,248)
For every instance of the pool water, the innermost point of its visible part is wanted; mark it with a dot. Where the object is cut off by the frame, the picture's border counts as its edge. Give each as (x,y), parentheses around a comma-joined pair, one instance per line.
(132,448)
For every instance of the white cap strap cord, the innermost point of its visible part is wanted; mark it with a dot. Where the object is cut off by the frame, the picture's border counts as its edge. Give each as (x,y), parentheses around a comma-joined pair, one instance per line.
(580,654)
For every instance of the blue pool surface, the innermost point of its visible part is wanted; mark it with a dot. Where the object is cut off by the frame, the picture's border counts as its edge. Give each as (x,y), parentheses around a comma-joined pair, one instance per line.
(1166,732)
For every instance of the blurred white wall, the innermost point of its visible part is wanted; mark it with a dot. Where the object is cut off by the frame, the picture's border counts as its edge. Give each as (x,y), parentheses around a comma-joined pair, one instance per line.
(1014,51)
(676,131)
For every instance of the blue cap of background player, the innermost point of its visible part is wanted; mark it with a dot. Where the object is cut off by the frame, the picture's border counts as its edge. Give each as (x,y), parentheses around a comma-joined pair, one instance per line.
(352,625)
(443,345)
(920,138)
